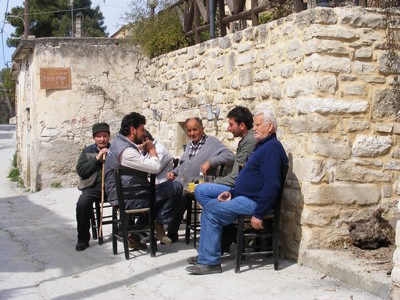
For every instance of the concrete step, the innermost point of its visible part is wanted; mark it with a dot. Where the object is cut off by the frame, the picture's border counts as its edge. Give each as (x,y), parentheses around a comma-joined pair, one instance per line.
(346,268)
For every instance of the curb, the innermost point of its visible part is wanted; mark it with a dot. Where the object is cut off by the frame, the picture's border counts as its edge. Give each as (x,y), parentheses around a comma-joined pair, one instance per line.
(343,267)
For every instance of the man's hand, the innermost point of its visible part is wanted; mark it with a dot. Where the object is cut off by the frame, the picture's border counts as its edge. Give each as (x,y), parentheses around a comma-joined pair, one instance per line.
(256,223)
(224,196)
(205,167)
(171,176)
(102,153)
(149,147)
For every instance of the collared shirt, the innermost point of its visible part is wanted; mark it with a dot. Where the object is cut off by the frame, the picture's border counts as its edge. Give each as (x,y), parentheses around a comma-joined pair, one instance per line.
(194,148)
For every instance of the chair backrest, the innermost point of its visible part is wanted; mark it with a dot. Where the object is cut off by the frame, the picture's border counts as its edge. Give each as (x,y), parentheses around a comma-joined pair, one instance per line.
(175,162)
(278,204)
(147,192)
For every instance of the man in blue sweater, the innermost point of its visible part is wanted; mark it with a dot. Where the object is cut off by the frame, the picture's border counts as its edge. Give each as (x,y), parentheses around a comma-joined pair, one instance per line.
(255,192)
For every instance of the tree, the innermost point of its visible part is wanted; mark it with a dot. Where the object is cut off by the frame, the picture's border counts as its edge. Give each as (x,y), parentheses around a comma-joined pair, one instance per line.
(7,95)
(52,18)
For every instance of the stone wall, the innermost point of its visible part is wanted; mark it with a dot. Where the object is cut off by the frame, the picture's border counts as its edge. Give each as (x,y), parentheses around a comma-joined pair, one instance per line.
(321,71)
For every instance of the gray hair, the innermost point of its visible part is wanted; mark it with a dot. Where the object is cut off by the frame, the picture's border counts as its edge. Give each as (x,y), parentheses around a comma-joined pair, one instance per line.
(268,116)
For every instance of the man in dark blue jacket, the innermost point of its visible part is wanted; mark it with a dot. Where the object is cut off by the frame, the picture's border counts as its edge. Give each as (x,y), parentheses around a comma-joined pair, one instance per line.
(255,192)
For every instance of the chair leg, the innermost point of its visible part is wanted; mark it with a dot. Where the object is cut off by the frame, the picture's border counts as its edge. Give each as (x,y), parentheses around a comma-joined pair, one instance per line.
(93,221)
(125,241)
(195,223)
(114,231)
(99,234)
(239,248)
(188,219)
(275,245)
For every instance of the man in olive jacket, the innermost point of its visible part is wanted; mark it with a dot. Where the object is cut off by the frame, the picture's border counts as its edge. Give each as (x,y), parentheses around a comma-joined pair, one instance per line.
(89,168)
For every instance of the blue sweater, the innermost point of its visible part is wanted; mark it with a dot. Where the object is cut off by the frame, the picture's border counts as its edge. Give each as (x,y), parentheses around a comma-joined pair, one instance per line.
(260,178)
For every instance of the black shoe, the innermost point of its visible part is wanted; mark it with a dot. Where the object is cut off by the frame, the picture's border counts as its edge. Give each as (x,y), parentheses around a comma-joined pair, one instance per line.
(200,269)
(81,246)
(193,260)
(173,237)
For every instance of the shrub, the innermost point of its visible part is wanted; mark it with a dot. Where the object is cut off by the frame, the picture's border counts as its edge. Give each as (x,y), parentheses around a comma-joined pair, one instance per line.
(159,34)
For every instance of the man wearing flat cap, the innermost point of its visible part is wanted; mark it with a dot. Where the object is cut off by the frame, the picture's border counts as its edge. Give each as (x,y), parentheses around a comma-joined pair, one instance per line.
(89,168)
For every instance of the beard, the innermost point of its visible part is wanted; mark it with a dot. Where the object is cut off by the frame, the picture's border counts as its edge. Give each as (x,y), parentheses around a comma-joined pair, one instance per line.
(137,141)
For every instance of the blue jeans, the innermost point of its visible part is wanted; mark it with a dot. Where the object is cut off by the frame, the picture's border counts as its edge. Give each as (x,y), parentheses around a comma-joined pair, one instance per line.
(168,197)
(214,216)
(206,191)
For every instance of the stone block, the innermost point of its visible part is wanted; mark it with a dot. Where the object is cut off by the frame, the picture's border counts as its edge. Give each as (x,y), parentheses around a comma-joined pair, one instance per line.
(330,105)
(368,19)
(392,165)
(348,172)
(287,70)
(363,53)
(318,63)
(246,58)
(245,47)
(246,77)
(374,79)
(353,90)
(386,128)
(364,68)
(341,194)
(355,125)
(261,76)
(325,47)
(309,84)
(386,104)
(371,146)
(309,123)
(319,217)
(323,32)
(309,169)
(330,147)
(294,50)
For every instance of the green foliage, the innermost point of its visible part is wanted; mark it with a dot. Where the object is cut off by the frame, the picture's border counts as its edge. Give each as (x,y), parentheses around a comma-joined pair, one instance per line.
(52,18)
(159,34)
(7,95)
(14,162)
(15,176)
(56,185)
(275,13)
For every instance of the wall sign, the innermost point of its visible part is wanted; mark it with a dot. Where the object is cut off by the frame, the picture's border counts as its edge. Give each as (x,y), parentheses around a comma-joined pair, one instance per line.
(55,78)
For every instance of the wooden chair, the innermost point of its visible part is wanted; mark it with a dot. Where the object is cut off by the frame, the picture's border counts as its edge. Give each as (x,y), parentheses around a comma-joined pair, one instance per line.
(193,213)
(124,220)
(251,242)
(95,221)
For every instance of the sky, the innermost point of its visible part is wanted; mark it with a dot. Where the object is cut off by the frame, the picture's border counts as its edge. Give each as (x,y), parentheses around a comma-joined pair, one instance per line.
(112,11)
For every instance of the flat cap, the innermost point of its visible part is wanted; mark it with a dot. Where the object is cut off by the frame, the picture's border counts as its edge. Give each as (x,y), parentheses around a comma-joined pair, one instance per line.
(100,127)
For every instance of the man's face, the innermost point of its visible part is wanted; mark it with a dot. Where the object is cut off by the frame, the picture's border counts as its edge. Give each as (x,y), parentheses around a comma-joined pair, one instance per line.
(101,139)
(138,134)
(261,129)
(235,128)
(194,131)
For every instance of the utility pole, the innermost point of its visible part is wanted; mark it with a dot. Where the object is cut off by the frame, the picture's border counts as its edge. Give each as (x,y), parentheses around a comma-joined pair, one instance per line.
(26,19)
(71,3)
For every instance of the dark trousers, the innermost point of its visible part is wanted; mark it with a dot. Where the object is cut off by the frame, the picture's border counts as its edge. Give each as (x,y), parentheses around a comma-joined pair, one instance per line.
(84,211)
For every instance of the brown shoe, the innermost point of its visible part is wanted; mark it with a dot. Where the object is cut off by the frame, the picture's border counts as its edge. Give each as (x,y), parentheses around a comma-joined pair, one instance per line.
(160,234)
(134,242)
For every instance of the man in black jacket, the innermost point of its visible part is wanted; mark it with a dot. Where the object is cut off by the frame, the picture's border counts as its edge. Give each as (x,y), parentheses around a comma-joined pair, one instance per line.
(89,169)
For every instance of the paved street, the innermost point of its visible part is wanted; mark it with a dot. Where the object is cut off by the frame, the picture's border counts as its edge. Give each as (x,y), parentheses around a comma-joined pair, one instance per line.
(39,261)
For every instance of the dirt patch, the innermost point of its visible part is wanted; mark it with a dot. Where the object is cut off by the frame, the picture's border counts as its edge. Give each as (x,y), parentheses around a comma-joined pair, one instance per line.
(380,259)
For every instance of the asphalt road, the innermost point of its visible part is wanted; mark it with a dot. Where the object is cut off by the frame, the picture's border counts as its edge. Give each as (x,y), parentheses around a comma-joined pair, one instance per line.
(38,258)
